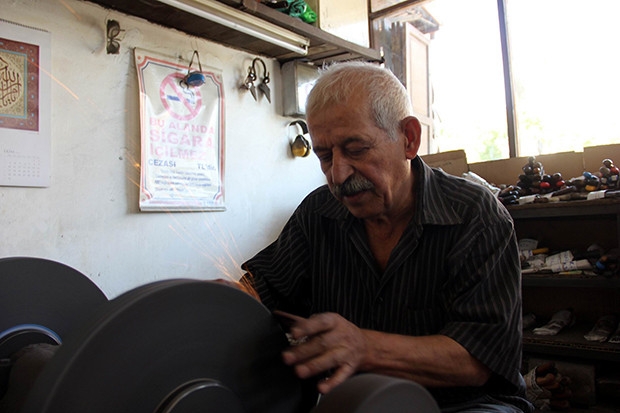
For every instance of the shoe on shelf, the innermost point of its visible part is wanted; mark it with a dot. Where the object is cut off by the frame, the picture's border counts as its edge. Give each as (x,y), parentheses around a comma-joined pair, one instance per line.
(560,320)
(603,328)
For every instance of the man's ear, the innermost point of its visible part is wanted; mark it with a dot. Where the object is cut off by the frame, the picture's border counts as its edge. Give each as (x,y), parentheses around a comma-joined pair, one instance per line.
(413,132)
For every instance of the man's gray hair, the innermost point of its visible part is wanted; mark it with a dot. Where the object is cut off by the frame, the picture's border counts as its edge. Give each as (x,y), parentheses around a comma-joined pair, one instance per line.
(388,99)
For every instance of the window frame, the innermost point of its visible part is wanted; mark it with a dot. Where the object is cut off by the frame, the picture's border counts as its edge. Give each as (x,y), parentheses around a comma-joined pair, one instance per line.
(511,117)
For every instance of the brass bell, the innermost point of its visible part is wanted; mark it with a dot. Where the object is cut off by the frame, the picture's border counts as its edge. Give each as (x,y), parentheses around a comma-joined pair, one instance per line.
(301,146)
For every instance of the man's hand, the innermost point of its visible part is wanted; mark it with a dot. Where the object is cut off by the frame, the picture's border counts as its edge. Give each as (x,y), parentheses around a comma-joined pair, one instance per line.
(331,344)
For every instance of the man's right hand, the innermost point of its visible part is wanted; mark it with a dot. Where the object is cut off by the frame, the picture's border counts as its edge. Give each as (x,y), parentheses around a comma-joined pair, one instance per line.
(330,344)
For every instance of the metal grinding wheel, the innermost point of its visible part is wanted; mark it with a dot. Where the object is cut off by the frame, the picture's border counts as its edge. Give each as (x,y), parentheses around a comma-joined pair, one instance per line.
(41,301)
(175,346)
(374,393)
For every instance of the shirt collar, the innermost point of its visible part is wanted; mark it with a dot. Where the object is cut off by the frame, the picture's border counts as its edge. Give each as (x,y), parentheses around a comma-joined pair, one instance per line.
(433,203)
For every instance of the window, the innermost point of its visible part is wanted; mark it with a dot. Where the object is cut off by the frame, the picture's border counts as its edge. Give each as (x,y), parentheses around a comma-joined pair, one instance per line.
(564,70)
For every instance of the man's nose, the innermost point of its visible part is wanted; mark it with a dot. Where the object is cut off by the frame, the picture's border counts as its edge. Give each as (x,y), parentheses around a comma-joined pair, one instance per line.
(341,169)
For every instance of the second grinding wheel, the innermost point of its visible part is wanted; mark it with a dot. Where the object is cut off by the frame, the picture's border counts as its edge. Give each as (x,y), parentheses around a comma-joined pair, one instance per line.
(174,346)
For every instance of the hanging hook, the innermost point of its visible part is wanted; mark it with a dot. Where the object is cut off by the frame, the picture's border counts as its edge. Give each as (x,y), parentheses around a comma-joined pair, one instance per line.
(194,79)
(265,73)
(263,86)
(248,83)
(113,30)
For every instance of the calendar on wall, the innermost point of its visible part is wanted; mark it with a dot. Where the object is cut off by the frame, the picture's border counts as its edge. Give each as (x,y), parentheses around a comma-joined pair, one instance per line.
(25,130)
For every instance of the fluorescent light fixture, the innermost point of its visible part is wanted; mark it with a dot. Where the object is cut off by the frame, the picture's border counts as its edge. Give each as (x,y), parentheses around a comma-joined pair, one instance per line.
(244,22)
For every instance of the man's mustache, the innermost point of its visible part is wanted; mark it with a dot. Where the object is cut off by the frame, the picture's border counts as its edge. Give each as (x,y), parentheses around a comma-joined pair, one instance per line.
(352,186)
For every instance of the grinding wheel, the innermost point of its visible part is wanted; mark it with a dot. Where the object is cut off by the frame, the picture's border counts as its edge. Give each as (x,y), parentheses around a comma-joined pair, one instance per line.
(374,393)
(174,346)
(41,301)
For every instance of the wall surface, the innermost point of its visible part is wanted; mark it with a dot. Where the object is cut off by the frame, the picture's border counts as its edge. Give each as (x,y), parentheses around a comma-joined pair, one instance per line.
(89,217)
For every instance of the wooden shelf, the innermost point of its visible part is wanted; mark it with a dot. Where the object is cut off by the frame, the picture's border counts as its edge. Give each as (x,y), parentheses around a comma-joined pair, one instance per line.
(324,47)
(566,208)
(609,407)
(575,281)
(571,225)
(570,342)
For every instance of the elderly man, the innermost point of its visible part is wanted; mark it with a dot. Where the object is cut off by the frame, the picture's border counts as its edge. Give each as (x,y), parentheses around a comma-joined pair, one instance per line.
(395,267)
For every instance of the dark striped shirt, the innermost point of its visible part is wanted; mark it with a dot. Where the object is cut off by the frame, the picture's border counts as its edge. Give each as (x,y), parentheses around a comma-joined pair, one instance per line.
(455,272)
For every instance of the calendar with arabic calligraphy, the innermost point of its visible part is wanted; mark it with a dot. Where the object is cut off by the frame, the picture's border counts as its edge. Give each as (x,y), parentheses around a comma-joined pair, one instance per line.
(25,142)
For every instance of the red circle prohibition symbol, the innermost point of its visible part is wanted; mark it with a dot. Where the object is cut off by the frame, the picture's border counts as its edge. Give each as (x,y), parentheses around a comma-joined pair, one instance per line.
(182,103)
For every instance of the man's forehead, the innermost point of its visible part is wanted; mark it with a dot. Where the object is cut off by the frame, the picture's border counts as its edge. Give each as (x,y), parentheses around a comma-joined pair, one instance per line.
(354,105)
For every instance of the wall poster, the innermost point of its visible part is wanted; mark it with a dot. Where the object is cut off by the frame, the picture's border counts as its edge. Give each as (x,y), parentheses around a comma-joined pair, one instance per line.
(182,135)
(25,125)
